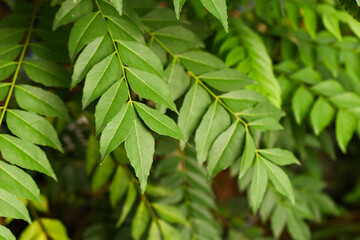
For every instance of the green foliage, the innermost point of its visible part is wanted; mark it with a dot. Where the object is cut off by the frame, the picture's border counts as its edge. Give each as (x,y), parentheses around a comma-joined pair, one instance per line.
(139,107)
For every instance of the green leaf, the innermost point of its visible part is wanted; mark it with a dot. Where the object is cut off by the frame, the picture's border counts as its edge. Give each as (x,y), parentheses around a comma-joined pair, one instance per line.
(139,56)
(346,100)
(128,204)
(178,4)
(154,232)
(140,148)
(123,28)
(218,9)
(345,128)
(25,155)
(117,130)
(110,104)
(200,62)
(226,148)
(310,20)
(301,103)
(50,52)
(70,11)
(235,55)
(92,154)
(297,228)
(266,124)
(329,56)
(84,31)
(193,108)
(5,234)
(100,78)
(170,213)
(157,121)
(17,182)
(53,227)
(119,185)
(4,88)
(93,53)
(47,73)
(33,128)
(226,79)
(278,220)
(242,99)
(169,232)
(9,51)
(321,115)
(118,4)
(248,154)
(307,75)
(330,20)
(177,79)
(279,156)
(6,69)
(102,174)
(140,221)
(11,206)
(177,39)
(328,88)
(215,121)
(258,185)
(279,179)
(150,86)
(37,100)
(11,35)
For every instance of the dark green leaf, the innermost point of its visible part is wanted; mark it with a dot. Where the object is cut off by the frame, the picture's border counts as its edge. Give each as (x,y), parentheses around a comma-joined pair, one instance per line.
(258,185)
(200,62)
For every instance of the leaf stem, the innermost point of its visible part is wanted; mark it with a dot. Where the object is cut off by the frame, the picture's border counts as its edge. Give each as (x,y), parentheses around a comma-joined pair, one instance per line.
(22,54)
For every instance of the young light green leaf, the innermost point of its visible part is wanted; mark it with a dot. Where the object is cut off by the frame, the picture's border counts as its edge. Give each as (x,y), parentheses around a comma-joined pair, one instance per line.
(226,148)
(11,206)
(345,128)
(177,79)
(150,86)
(93,53)
(200,62)
(169,213)
(110,104)
(258,185)
(6,69)
(128,204)
(266,124)
(328,88)
(279,179)
(330,20)
(321,115)
(37,100)
(154,232)
(226,79)
(47,73)
(301,103)
(100,78)
(178,4)
(310,20)
(218,9)
(346,100)
(140,148)
(123,28)
(248,154)
(140,222)
(4,88)
(169,232)
(17,182)
(279,156)
(33,128)
(54,228)
(84,31)
(25,155)
(214,122)
(177,39)
(117,130)
(118,4)
(119,185)
(278,220)
(5,234)
(157,121)
(307,75)
(140,56)
(70,11)
(297,228)
(193,108)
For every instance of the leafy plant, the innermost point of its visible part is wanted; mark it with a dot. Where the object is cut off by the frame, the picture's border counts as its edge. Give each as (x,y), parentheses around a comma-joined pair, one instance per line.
(140,107)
